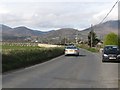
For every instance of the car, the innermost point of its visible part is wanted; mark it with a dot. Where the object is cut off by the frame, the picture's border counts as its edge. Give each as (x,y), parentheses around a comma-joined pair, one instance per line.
(111,53)
(71,50)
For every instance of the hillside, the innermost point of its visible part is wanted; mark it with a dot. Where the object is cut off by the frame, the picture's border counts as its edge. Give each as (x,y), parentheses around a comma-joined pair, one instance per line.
(22,32)
(57,35)
(19,31)
(102,29)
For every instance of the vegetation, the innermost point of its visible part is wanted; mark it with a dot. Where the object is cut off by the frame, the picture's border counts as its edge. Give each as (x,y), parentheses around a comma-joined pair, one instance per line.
(111,39)
(14,57)
(85,46)
(92,39)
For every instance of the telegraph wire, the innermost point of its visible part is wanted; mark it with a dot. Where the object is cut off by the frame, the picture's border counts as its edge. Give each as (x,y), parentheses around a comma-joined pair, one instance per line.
(109,11)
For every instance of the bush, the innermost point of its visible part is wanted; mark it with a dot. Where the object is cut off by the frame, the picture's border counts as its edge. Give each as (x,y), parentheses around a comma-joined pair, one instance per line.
(13,59)
(111,39)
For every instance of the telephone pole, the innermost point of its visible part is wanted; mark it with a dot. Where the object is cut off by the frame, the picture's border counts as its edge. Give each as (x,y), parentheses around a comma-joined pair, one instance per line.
(91,35)
(76,38)
(65,40)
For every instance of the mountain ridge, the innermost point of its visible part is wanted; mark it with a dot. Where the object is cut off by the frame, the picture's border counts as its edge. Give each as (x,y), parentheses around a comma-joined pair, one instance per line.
(100,29)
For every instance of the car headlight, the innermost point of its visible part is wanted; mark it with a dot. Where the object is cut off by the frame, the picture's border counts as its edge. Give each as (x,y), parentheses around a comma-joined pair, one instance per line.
(118,56)
(105,55)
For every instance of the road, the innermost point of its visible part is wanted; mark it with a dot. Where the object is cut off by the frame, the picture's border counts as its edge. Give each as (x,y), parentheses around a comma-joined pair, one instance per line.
(84,71)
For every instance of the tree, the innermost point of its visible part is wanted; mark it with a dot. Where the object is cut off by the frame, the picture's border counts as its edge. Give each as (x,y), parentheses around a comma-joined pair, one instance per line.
(111,39)
(92,39)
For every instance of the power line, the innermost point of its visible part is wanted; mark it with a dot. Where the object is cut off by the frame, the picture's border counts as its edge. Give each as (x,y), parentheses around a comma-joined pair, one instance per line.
(109,11)
(103,20)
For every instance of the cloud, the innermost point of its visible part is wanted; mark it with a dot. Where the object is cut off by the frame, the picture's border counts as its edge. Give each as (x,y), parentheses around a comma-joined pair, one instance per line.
(3,9)
(97,18)
(57,0)
(53,15)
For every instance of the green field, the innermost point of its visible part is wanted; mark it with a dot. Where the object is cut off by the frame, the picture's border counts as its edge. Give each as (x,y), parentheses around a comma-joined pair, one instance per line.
(14,57)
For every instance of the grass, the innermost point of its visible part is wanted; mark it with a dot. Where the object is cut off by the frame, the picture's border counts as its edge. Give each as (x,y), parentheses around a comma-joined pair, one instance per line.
(84,46)
(14,57)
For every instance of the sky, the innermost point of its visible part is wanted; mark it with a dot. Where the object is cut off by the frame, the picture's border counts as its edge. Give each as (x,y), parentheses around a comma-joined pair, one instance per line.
(46,15)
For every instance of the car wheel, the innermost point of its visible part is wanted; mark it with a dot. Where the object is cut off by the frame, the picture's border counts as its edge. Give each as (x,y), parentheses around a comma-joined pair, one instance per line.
(103,60)
(65,54)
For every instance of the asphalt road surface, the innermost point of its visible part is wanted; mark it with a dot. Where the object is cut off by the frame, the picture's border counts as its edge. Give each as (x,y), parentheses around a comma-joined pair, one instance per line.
(83,71)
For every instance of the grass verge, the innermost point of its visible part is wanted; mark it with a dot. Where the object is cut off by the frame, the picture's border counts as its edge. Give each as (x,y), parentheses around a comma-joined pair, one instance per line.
(84,46)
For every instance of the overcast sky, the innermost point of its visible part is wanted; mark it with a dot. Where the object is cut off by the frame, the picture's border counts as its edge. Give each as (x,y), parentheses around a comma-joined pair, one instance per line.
(47,15)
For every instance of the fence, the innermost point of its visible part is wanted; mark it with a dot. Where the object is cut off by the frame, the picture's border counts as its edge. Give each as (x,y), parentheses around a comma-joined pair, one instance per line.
(19,44)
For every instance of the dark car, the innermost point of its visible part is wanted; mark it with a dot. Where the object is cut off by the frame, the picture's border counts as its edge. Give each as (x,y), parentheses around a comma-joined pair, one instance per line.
(111,53)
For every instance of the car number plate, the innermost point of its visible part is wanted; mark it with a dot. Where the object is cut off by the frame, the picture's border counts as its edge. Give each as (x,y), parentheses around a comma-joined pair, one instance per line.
(71,50)
(112,57)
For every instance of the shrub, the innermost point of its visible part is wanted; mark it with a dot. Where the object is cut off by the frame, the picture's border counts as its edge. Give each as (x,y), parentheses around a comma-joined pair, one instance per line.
(13,59)
(111,39)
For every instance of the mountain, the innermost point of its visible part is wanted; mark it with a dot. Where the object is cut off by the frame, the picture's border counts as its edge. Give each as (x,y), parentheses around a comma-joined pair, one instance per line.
(64,32)
(102,29)
(6,30)
(57,35)
(21,32)
(24,31)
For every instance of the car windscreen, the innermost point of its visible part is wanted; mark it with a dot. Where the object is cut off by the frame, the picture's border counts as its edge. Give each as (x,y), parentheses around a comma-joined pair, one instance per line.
(71,48)
(110,50)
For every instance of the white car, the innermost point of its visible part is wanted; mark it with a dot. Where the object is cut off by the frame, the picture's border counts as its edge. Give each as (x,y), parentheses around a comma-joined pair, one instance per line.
(71,50)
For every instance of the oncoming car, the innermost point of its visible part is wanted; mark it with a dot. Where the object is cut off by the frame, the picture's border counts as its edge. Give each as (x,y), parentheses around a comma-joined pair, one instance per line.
(111,53)
(71,50)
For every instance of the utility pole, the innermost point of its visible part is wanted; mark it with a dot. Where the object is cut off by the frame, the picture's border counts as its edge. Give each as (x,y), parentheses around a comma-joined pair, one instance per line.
(76,38)
(91,35)
(81,39)
(65,40)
